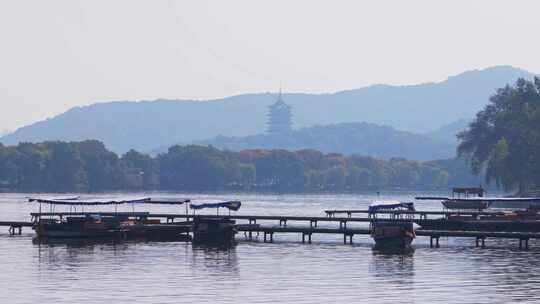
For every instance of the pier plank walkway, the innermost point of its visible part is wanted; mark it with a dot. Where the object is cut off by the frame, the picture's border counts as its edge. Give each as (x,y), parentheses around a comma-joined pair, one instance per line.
(434,235)
(422,214)
(15,227)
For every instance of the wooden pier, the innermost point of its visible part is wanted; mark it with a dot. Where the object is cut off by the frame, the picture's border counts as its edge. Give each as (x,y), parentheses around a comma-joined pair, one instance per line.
(15,227)
(348,234)
(252,224)
(413,214)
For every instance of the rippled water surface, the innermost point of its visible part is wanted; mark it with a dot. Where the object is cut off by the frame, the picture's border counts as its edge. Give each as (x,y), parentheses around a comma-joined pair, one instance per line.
(285,271)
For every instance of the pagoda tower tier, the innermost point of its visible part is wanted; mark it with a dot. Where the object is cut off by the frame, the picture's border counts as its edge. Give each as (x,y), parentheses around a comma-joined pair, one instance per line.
(279,118)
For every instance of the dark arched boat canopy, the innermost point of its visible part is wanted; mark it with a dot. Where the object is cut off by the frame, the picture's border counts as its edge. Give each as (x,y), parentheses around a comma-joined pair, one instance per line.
(231,205)
(390,205)
(92,202)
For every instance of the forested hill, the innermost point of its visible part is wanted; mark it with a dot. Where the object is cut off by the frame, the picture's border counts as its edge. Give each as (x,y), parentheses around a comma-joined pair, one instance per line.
(147,125)
(89,166)
(349,138)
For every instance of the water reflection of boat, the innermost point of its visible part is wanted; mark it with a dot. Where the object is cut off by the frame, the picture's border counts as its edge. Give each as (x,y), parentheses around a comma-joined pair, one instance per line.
(392,234)
(401,251)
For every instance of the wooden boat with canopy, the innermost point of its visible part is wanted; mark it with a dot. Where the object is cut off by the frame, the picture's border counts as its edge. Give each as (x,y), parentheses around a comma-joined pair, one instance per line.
(393,234)
(523,217)
(214,229)
(473,199)
(105,224)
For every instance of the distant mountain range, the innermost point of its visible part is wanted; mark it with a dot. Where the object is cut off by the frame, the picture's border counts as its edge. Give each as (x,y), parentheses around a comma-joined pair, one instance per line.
(147,125)
(346,138)
(448,133)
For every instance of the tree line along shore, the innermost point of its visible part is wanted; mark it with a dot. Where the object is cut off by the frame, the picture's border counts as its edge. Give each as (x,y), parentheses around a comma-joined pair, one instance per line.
(88,166)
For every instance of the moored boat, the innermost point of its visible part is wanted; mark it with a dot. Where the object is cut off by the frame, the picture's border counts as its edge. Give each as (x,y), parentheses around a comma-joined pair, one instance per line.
(214,229)
(105,224)
(88,226)
(466,204)
(474,199)
(509,221)
(393,234)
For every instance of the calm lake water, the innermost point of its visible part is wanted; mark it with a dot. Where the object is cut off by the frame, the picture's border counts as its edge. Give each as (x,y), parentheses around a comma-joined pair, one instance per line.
(285,271)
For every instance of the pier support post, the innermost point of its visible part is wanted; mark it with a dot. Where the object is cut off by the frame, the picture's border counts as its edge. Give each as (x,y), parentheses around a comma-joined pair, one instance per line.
(303,237)
(20,231)
(271,237)
(350,238)
(264,237)
(481,240)
(524,244)
(436,238)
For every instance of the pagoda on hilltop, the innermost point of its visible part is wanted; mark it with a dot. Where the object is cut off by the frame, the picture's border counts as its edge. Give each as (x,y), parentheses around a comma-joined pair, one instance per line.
(279,118)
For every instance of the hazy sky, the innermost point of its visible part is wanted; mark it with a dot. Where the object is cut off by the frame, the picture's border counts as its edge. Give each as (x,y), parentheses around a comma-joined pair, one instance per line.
(58,54)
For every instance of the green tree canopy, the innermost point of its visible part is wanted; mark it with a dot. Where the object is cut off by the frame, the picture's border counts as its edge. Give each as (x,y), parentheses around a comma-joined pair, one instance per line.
(90,166)
(504,139)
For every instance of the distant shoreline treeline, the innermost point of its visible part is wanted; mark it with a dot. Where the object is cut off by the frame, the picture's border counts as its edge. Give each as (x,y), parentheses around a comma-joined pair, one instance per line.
(88,166)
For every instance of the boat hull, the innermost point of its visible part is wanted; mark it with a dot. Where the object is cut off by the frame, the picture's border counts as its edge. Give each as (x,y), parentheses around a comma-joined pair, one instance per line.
(482,225)
(466,205)
(398,235)
(399,242)
(513,204)
(159,232)
(57,231)
(213,230)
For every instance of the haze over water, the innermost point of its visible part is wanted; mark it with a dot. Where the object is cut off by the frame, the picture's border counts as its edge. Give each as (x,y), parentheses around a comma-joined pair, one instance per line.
(286,271)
